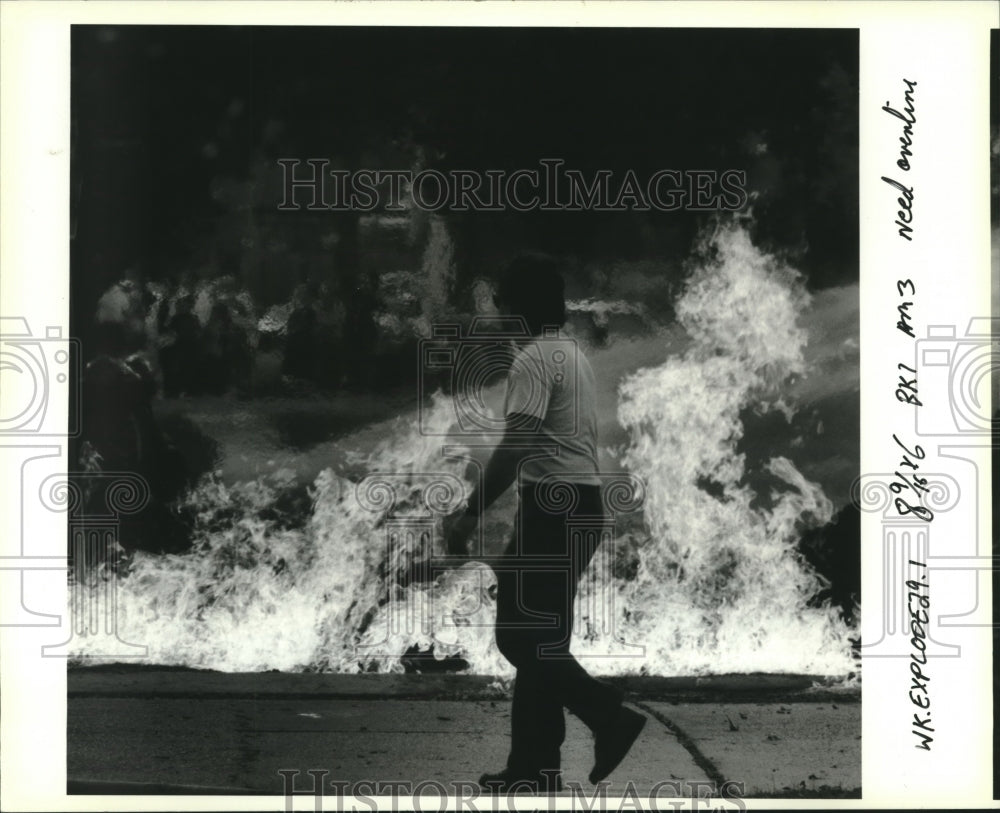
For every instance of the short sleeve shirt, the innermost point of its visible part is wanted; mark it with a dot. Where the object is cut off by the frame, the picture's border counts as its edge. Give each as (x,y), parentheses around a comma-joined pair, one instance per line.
(551,379)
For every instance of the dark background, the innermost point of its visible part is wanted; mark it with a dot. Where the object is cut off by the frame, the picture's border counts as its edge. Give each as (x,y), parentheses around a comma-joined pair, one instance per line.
(177,131)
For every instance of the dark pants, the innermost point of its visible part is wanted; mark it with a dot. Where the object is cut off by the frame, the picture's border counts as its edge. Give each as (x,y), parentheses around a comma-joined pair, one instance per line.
(536,588)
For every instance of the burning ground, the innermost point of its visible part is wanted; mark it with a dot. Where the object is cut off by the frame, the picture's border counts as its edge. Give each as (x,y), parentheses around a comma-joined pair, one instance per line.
(730,418)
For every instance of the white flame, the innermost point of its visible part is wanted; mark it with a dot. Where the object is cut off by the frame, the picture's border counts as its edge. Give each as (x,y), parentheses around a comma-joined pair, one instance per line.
(712,583)
(736,589)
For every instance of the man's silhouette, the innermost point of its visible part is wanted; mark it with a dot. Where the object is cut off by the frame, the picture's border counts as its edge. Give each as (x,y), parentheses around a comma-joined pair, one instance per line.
(550,445)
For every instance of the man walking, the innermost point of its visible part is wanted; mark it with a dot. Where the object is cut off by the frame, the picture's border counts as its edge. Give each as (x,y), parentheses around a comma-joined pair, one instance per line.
(550,448)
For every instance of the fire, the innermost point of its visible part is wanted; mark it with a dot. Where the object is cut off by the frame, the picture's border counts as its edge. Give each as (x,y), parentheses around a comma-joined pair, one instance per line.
(737,590)
(711,582)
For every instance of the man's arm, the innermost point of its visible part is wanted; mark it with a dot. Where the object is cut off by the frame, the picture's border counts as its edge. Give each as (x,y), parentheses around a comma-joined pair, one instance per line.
(520,440)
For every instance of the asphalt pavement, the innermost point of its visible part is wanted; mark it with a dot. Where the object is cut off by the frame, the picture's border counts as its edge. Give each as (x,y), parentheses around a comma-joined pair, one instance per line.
(138,730)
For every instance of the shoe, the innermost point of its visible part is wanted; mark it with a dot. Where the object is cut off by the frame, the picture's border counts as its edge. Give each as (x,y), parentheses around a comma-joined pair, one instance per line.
(507,782)
(613,742)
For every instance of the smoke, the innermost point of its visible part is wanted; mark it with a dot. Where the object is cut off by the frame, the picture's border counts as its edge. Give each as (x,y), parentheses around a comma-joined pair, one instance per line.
(437,269)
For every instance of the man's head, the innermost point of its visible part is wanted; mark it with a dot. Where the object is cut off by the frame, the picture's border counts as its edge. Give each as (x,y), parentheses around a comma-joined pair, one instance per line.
(532,288)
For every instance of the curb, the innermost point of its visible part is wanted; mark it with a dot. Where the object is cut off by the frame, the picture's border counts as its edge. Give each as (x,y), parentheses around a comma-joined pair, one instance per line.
(120,680)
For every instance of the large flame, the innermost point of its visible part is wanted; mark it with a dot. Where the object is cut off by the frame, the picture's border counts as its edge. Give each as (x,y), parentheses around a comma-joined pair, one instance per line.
(720,586)
(709,582)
